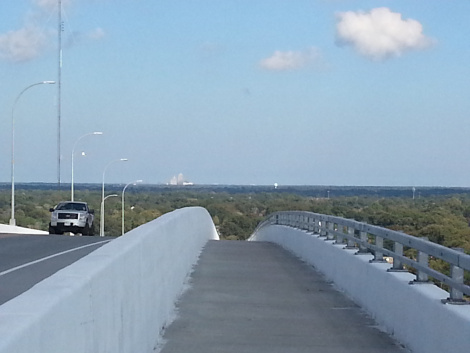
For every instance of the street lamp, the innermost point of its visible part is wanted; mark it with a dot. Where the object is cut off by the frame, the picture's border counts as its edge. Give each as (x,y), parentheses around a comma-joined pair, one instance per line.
(122,201)
(102,214)
(102,193)
(73,153)
(12,219)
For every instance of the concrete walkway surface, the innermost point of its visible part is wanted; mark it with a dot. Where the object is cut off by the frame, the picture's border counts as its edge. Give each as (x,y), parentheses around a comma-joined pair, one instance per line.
(255,297)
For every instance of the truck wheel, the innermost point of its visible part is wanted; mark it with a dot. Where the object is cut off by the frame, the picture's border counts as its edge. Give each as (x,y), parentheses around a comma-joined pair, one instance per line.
(51,229)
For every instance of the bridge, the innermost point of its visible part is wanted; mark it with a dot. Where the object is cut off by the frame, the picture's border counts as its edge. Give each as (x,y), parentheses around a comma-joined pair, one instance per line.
(303,282)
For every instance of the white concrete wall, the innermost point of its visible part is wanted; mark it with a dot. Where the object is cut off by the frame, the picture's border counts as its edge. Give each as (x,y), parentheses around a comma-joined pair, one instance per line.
(413,314)
(115,300)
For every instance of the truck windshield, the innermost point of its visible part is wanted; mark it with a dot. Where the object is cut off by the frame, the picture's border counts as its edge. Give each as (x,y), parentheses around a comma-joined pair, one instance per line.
(71,206)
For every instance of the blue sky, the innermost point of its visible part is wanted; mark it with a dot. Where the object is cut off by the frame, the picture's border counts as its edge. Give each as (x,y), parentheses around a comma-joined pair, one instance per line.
(311,92)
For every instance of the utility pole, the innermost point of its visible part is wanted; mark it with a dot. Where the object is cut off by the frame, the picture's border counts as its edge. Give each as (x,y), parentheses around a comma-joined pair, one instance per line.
(59,85)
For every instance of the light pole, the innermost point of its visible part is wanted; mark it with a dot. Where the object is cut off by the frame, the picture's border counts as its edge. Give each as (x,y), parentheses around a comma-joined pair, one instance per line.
(122,201)
(73,153)
(102,192)
(102,215)
(12,219)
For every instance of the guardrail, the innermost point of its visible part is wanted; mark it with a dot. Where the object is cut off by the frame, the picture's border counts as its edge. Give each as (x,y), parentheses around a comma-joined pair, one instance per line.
(385,242)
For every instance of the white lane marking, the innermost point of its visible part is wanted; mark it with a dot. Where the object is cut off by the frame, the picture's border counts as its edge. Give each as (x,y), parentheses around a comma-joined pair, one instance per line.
(50,257)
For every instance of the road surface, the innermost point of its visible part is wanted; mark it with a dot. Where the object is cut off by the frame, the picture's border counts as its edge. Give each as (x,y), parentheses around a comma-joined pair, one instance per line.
(27,259)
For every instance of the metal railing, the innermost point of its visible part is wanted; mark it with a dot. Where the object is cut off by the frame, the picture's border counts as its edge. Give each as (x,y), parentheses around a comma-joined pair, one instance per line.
(381,242)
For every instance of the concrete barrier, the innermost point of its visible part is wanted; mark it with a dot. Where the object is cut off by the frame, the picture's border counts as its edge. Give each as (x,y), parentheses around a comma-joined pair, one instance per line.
(412,313)
(117,299)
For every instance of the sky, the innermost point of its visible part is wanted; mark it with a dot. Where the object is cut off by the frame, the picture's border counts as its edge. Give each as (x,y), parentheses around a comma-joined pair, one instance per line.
(293,92)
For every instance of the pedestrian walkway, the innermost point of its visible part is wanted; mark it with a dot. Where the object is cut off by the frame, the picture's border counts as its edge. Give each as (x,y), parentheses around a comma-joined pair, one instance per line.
(254,297)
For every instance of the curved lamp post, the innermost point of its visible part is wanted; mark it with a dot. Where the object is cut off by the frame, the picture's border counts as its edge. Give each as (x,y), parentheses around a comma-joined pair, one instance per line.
(12,219)
(102,214)
(73,153)
(102,193)
(122,201)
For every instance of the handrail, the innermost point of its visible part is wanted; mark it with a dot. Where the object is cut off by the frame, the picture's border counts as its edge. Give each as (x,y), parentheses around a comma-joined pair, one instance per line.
(370,239)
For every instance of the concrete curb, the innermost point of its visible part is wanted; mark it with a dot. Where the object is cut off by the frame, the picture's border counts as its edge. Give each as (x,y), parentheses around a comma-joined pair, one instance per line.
(7,229)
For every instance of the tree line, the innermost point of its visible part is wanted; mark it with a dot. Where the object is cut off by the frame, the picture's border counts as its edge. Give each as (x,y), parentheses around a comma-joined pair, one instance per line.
(443,219)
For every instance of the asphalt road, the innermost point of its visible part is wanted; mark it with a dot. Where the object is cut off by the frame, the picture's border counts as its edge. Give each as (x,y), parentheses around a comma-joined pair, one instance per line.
(254,297)
(28,259)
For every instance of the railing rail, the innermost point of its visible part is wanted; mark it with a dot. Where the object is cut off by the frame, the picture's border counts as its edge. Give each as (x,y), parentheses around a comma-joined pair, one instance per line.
(370,239)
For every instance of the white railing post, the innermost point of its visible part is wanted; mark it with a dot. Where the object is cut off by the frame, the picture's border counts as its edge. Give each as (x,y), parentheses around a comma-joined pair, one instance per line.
(339,237)
(316,228)
(329,232)
(457,275)
(378,255)
(397,264)
(311,224)
(351,243)
(423,260)
(364,239)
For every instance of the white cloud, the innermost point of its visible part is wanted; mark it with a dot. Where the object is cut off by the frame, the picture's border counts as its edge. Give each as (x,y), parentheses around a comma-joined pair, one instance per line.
(77,37)
(22,45)
(380,33)
(50,4)
(31,40)
(96,34)
(291,60)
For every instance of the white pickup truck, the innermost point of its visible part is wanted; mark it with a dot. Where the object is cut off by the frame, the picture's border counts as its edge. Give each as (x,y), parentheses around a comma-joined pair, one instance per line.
(74,217)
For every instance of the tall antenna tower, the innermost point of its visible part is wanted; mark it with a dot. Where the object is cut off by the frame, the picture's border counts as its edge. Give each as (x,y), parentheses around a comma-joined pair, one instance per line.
(59,84)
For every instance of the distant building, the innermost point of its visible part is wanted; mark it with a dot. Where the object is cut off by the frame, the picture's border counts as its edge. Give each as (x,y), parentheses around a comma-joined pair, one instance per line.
(179,180)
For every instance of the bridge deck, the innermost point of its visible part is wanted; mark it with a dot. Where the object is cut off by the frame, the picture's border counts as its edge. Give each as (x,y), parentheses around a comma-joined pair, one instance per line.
(256,297)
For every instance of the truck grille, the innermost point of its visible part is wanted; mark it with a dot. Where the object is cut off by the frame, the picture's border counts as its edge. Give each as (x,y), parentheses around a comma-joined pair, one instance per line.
(68,215)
